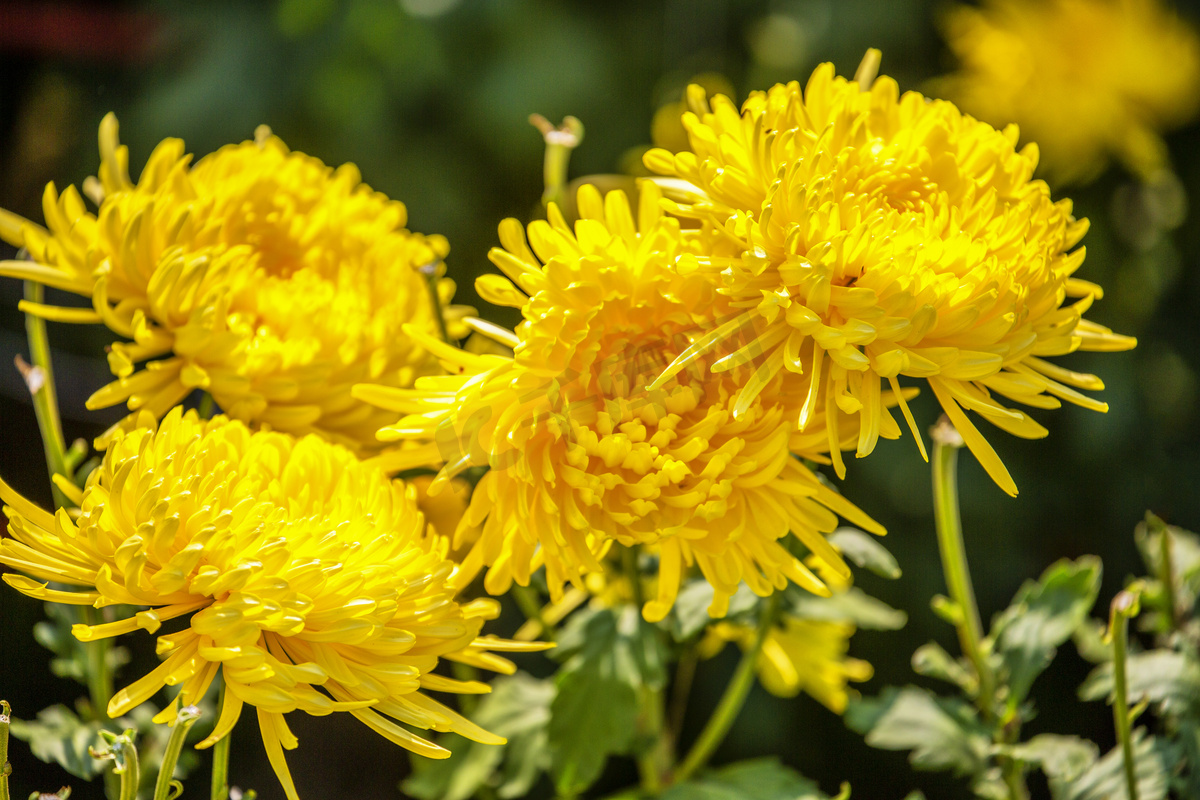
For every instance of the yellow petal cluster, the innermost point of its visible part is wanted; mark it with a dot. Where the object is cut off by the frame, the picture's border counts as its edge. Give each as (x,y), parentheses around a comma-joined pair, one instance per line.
(1086,79)
(310,580)
(866,237)
(581,454)
(799,655)
(258,274)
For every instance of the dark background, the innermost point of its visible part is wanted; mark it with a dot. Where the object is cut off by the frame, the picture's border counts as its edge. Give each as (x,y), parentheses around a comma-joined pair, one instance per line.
(430,99)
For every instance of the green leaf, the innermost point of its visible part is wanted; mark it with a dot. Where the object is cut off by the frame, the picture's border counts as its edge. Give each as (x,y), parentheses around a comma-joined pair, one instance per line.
(1061,758)
(1043,615)
(689,616)
(59,736)
(865,551)
(944,734)
(1105,779)
(609,658)
(518,708)
(1089,642)
(853,605)
(1185,570)
(932,661)
(757,779)
(1169,679)
(55,635)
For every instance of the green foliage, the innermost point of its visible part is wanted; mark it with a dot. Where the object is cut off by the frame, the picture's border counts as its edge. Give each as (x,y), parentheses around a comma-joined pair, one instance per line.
(853,605)
(757,779)
(1062,758)
(60,736)
(944,734)
(976,736)
(71,654)
(865,550)
(609,657)
(689,616)
(518,709)
(1042,616)
(1105,780)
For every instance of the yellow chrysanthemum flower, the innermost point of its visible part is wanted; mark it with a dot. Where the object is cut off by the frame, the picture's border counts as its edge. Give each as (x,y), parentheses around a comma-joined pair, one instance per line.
(866,236)
(1085,79)
(798,655)
(311,580)
(581,454)
(259,275)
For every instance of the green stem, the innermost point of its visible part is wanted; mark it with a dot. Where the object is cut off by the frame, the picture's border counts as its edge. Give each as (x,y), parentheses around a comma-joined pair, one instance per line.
(184,720)
(126,771)
(467,703)
(207,406)
(681,689)
(220,766)
(560,141)
(430,271)
(1167,577)
(5,767)
(1124,606)
(653,761)
(40,380)
(731,702)
(530,604)
(946,442)
(948,520)
(99,678)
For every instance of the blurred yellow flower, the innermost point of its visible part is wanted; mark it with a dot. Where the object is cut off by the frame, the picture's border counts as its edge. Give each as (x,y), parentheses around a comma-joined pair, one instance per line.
(866,236)
(311,580)
(1086,79)
(259,275)
(581,454)
(798,655)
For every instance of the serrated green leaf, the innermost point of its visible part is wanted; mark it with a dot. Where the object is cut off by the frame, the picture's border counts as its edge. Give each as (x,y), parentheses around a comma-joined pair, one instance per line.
(932,661)
(853,605)
(944,734)
(59,736)
(866,551)
(1061,758)
(1044,614)
(1169,679)
(757,779)
(1105,779)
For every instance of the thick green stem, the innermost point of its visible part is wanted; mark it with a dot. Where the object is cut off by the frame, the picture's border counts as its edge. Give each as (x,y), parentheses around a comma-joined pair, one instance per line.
(1124,606)
(220,766)
(948,520)
(40,379)
(184,720)
(946,442)
(5,767)
(731,702)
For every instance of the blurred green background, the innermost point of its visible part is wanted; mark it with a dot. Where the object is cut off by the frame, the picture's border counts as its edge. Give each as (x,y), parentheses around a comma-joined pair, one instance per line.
(431,98)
